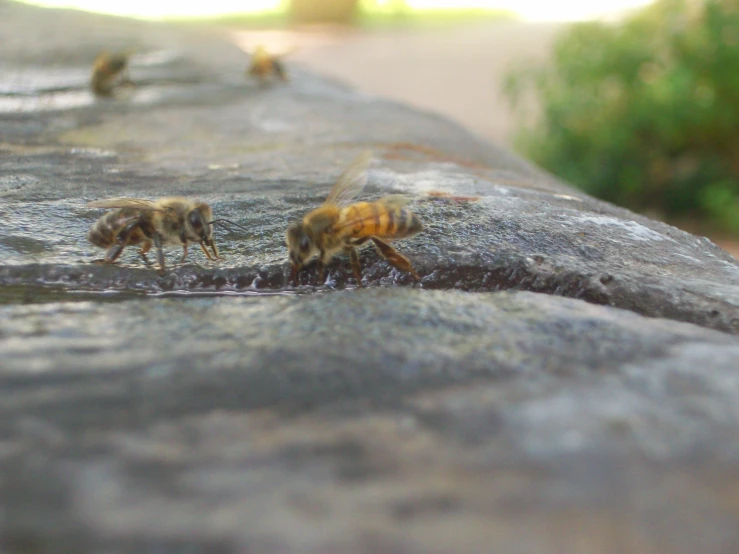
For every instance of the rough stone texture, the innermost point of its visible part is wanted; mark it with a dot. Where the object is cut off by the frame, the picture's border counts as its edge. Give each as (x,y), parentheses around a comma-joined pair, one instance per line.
(461,421)
(246,415)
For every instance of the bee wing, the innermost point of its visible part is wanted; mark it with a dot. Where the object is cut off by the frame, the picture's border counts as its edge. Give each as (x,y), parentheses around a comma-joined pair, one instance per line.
(349,224)
(137,203)
(286,52)
(259,53)
(394,200)
(351,182)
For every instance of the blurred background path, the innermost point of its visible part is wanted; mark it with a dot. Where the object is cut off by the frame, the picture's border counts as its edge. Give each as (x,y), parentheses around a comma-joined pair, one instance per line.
(455,70)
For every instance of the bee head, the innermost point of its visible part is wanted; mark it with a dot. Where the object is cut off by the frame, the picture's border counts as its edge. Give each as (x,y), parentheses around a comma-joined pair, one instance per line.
(117,63)
(299,244)
(198,223)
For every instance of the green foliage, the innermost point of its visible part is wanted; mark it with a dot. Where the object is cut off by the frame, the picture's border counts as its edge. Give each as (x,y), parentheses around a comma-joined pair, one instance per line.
(370,14)
(645,113)
(397,13)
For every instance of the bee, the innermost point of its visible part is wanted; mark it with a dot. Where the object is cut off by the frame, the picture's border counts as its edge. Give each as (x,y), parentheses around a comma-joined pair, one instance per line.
(338,225)
(162,222)
(108,71)
(263,65)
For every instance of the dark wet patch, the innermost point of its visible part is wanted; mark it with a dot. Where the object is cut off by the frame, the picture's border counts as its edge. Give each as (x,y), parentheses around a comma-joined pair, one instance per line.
(439,505)
(23,245)
(501,272)
(350,461)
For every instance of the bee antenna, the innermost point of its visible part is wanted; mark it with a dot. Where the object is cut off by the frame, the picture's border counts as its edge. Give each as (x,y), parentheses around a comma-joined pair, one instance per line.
(221,222)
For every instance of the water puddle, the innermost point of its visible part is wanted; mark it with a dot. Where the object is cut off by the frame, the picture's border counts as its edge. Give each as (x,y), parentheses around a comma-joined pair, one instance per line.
(46,294)
(12,295)
(222,293)
(68,99)
(34,89)
(31,81)
(46,102)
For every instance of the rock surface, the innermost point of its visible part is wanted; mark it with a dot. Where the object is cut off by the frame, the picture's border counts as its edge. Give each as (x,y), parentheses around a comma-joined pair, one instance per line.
(244,414)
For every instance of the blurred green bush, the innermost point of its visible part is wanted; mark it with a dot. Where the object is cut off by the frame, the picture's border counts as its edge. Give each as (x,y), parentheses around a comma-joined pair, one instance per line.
(644,113)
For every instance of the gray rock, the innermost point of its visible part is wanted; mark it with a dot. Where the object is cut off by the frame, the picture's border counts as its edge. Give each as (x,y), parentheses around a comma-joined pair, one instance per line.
(386,419)
(219,408)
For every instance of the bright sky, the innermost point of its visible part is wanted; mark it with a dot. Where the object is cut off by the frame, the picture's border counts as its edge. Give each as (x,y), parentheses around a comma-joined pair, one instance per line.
(532,10)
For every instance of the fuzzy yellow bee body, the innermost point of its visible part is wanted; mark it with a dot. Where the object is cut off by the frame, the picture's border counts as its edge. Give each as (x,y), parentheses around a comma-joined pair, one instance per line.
(265,65)
(163,222)
(338,225)
(108,71)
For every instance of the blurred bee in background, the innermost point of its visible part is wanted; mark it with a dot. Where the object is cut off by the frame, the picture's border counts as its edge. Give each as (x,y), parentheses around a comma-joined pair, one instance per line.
(265,65)
(337,225)
(109,71)
(162,222)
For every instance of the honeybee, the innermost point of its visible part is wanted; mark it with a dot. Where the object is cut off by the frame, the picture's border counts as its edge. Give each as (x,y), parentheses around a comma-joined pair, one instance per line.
(162,222)
(108,71)
(263,65)
(338,225)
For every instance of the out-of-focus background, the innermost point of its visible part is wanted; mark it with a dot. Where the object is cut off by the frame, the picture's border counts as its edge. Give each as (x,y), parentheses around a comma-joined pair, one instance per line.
(636,102)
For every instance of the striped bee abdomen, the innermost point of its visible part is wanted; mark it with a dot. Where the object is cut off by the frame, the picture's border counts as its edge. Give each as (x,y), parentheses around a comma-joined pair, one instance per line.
(104,232)
(365,219)
(401,223)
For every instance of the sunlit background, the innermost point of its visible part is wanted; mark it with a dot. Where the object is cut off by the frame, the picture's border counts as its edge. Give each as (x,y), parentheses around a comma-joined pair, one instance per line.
(528,10)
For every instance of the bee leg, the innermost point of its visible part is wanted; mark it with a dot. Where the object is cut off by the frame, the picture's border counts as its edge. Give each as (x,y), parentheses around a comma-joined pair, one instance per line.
(113,253)
(126,78)
(394,258)
(160,252)
(116,250)
(184,253)
(356,267)
(214,248)
(144,249)
(279,69)
(294,274)
(321,265)
(205,251)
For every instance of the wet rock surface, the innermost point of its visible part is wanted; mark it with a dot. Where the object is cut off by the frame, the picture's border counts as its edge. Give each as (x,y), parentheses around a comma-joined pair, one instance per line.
(219,408)
(263,155)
